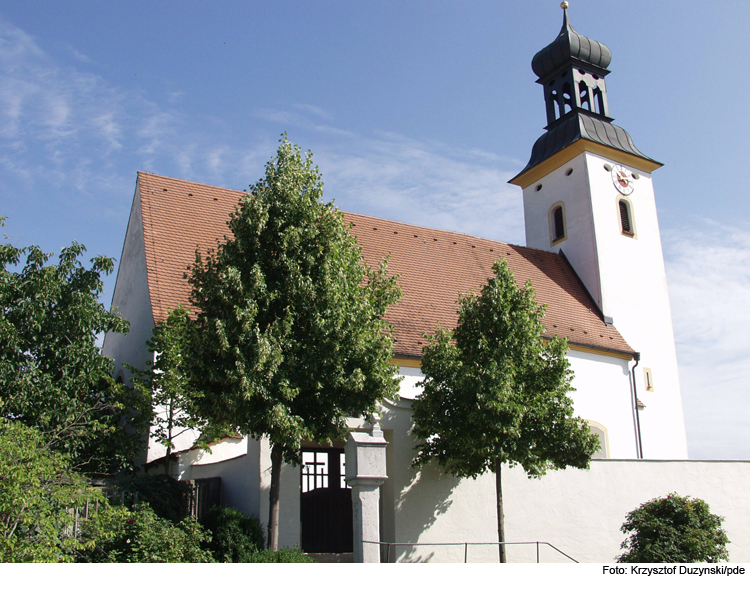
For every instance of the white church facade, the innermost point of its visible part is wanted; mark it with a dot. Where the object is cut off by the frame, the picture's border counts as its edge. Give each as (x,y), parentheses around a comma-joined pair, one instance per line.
(594,258)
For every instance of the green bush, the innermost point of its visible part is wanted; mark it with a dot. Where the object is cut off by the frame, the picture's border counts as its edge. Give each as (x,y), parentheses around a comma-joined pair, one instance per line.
(122,535)
(674,529)
(39,494)
(235,537)
(169,498)
(282,555)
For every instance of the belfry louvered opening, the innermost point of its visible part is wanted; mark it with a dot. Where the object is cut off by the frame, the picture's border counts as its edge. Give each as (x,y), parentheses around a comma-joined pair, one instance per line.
(626,220)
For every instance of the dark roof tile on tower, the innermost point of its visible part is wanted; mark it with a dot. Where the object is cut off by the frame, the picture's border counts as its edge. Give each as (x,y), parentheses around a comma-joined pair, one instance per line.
(576,125)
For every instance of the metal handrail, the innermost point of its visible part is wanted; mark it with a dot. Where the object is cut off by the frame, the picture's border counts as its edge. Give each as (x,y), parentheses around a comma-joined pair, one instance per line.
(466,547)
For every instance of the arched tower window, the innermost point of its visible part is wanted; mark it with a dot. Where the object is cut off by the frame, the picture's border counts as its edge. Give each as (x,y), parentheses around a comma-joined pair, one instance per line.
(626,217)
(557,229)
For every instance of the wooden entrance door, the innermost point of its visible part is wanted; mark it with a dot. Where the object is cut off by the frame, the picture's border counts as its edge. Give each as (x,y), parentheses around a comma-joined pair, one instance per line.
(326,505)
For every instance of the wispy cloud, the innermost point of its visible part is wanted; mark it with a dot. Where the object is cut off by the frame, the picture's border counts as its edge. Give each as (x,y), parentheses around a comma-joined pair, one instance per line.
(56,121)
(430,184)
(708,268)
(81,57)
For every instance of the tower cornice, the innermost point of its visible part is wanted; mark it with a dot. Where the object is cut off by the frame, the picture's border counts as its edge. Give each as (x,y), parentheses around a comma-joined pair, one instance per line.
(531,175)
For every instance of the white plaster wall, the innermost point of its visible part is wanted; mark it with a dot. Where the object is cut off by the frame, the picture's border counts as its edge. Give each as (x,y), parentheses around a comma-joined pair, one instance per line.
(131,300)
(408,389)
(624,275)
(603,395)
(580,243)
(427,506)
(634,293)
(237,463)
(578,511)
(581,511)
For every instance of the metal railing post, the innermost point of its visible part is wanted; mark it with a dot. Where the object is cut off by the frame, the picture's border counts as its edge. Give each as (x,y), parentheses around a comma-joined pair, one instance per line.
(466,553)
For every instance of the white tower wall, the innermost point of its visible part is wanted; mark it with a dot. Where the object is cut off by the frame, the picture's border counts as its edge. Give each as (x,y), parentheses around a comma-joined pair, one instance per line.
(625,276)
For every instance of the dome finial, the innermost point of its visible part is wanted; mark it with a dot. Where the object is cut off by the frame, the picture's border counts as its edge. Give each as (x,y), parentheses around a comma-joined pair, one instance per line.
(564,5)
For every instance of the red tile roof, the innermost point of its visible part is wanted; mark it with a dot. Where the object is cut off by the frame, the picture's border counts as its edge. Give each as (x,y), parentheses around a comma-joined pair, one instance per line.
(434,265)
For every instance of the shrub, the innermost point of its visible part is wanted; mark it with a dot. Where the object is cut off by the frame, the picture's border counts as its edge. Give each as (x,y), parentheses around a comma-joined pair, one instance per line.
(169,498)
(281,555)
(674,529)
(235,537)
(39,494)
(139,535)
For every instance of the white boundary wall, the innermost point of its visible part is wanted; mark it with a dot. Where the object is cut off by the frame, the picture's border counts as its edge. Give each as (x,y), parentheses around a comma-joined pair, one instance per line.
(581,512)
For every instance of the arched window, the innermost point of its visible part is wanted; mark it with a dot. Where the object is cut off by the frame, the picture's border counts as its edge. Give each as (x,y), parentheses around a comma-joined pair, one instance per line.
(626,217)
(600,431)
(557,230)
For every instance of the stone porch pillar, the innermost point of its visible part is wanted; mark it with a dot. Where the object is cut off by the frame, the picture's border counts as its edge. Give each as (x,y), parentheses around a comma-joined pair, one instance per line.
(365,473)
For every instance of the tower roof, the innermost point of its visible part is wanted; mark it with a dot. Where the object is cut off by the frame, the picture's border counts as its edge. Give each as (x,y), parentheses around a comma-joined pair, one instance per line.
(569,45)
(572,70)
(577,126)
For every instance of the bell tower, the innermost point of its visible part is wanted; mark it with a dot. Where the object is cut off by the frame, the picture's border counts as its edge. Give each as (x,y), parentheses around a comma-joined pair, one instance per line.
(588,195)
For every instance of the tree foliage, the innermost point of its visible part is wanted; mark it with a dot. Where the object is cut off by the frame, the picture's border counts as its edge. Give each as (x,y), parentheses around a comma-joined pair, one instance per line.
(289,337)
(494,390)
(39,494)
(496,393)
(119,534)
(674,529)
(165,382)
(52,375)
(235,537)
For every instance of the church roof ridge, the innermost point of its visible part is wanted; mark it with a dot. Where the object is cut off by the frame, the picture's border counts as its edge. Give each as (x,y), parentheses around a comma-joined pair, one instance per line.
(434,265)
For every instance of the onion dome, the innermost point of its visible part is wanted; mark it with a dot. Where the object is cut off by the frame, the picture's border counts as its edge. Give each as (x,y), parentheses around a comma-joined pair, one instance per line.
(568,46)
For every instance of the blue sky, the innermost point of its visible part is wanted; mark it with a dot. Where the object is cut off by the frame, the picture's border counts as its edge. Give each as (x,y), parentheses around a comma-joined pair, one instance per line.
(416,111)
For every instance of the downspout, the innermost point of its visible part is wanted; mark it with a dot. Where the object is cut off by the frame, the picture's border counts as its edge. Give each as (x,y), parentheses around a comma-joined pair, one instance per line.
(637,357)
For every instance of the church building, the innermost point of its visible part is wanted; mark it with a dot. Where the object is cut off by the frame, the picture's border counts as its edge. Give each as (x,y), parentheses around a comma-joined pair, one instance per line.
(593,255)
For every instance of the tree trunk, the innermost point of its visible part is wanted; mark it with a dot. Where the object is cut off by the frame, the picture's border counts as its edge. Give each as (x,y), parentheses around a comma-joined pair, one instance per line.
(500,515)
(273,513)
(168,456)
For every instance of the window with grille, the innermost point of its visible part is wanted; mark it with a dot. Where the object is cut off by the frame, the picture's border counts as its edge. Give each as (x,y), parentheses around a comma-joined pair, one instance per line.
(626,220)
(318,466)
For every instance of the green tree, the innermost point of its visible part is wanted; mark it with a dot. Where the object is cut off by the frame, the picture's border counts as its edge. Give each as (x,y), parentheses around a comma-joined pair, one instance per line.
(52,374)
(674,529)
(495,391)
(39,494)
(289,337)
(165,382)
